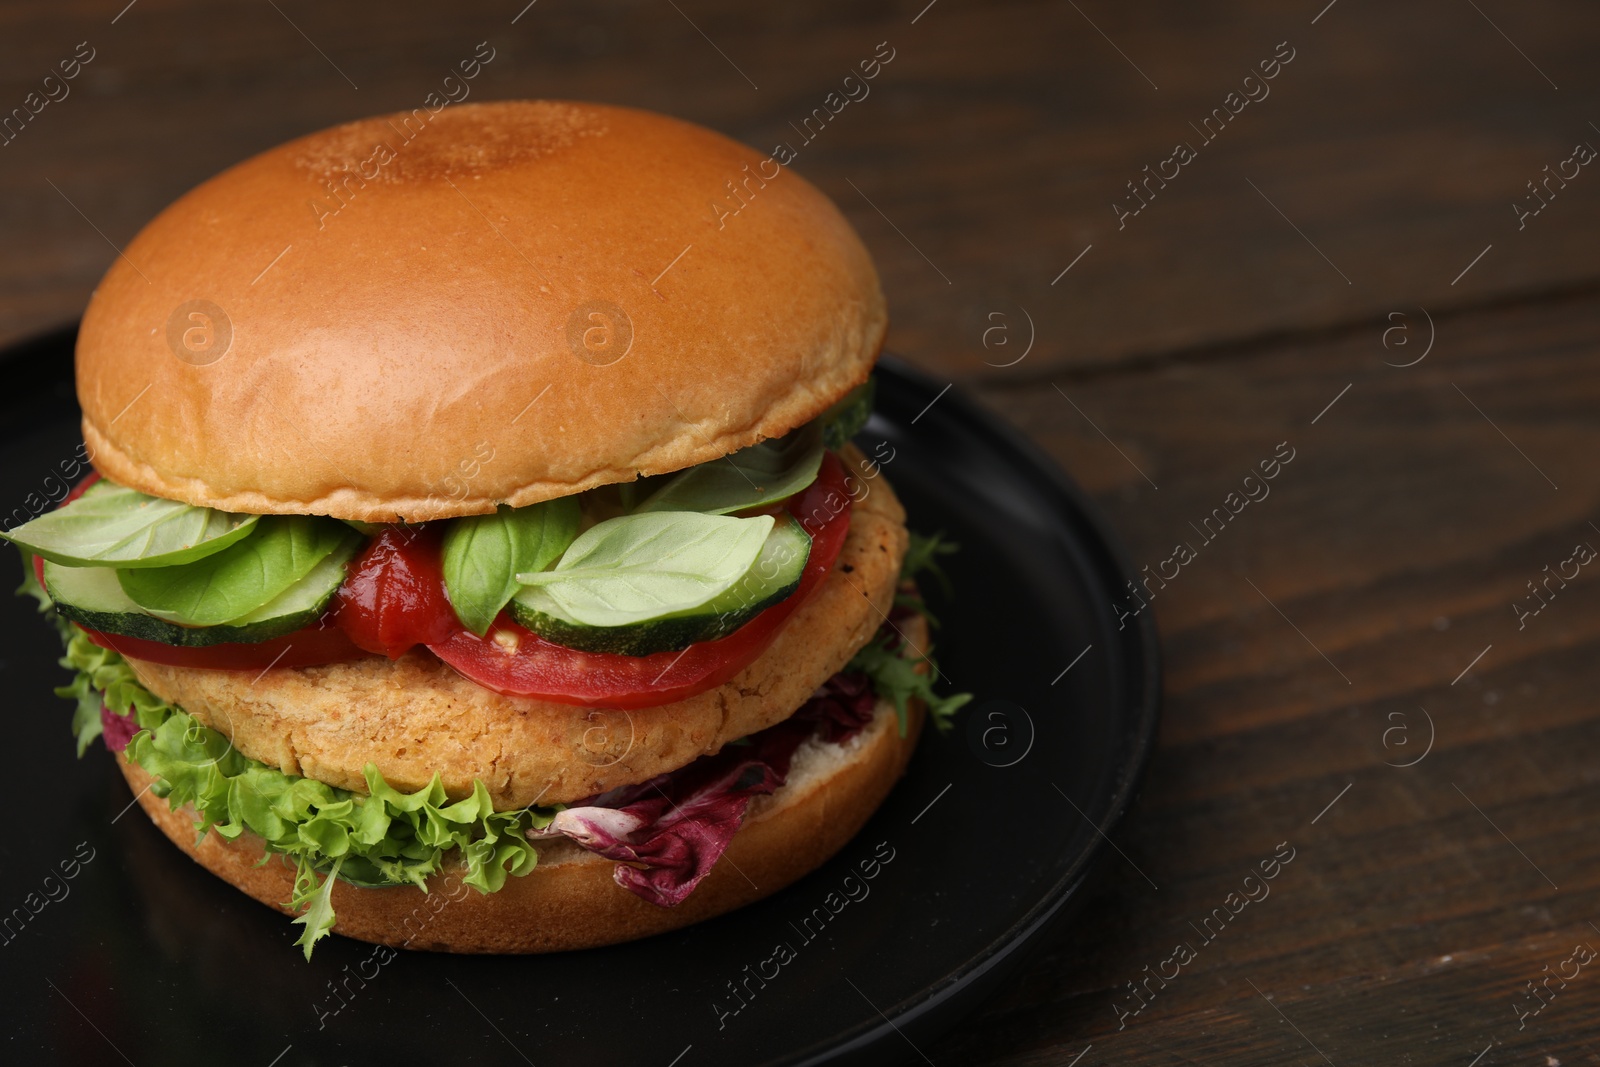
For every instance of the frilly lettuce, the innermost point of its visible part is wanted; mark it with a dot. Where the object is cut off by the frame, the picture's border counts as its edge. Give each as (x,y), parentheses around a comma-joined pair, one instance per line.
(387,838)
(890,662)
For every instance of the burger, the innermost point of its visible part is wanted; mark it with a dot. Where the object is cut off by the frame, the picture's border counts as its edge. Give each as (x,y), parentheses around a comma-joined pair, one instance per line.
(476,557)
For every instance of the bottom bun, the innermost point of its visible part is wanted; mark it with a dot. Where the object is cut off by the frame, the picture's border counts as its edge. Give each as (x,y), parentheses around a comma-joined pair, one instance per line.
(570,900)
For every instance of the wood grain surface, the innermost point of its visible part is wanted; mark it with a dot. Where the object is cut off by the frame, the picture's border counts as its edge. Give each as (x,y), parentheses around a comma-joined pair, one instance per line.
(1355,666)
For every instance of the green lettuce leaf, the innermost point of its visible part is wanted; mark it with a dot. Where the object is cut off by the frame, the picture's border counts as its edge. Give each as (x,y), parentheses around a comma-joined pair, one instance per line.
(317,902)
(922,557)
(891,664)
(387,838)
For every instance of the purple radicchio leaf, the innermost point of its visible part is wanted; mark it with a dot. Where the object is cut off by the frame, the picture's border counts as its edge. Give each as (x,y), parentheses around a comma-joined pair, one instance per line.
(667,833)
(117,730)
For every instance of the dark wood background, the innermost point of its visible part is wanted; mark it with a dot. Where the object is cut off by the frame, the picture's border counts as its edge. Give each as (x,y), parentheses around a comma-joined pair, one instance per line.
(1318,244)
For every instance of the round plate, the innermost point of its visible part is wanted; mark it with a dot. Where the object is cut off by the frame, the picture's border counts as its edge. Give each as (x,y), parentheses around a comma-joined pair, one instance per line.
(118,949)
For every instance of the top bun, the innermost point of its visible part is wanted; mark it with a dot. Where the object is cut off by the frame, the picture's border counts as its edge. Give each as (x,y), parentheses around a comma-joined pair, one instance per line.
(435,312)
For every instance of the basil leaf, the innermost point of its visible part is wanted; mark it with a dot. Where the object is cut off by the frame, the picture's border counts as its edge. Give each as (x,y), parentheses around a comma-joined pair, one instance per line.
(848,414)
(484,553)
(241,578)
(636,567)
(748,478)
(117,527)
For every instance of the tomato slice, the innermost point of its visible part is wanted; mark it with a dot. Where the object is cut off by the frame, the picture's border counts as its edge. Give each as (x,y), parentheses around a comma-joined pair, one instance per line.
(303,648)
(513,660)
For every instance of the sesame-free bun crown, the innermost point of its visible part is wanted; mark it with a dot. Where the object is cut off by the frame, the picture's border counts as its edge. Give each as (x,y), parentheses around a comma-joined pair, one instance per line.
(432,313)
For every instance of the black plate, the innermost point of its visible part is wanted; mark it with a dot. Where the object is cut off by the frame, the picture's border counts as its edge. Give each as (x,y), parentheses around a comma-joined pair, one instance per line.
(143,957)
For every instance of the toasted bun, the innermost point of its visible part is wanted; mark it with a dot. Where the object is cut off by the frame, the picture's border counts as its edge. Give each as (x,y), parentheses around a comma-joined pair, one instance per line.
(416,716)
(570,900)
(429,314)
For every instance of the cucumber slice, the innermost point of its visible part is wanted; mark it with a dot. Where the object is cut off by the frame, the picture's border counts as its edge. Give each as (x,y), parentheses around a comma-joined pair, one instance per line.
(773,576)
(93,597)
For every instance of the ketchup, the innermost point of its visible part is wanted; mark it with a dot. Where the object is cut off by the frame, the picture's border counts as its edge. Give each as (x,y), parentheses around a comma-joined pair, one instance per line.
(394,598)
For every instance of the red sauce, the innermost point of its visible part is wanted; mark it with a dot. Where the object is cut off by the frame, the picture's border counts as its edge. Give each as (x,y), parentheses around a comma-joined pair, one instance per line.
(394,598)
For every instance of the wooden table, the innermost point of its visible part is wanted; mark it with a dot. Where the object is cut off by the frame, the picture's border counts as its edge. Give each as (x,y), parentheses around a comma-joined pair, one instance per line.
(1350,268)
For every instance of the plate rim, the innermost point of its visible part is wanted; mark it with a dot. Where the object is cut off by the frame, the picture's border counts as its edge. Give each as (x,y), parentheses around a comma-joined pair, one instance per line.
(1011,946)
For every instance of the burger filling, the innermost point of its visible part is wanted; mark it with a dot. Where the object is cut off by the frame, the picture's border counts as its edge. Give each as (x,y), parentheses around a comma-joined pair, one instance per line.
(627,596)
(665,833)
